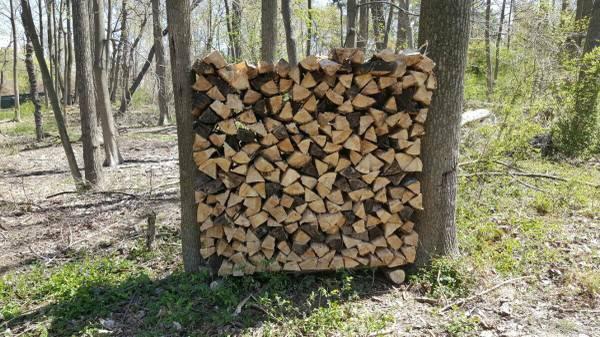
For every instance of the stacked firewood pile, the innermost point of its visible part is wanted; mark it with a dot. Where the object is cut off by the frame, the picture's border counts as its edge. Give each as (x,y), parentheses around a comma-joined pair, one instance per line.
(311,166)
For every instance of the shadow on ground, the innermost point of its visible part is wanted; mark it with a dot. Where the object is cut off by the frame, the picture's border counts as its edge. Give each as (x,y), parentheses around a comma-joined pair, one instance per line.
(187,304)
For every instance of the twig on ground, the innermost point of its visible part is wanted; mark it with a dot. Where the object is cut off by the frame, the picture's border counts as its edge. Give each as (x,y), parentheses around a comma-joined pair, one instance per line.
(526,174)
(135,196)
(382,333)
(240,306)
(426,300)
(470,298)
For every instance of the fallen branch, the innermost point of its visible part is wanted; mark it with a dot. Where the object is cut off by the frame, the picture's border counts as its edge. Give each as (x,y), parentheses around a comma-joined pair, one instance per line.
(470,298)
(526,174)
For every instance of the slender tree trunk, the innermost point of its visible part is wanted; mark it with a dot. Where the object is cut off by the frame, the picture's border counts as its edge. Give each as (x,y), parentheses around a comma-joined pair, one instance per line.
(178,18)
(29,26)
(37,113)
(85,85)
(41,30)
(378,25)
(498,40)
(445,24)
(488,52)
(66,85)
(290,40)
(509,24)
(127,91)
(388,26)
(585,122)
(309,28)
(121,52)
(351,14)
(160,64)
(236,28)
(69,55)
(363,26)
(103,107)
(404,31)
(268,30)
(230,51)
(49,4)
(15,62)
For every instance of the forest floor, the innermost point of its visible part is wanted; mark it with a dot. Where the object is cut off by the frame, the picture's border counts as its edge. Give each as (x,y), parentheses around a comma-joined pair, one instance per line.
(76,264)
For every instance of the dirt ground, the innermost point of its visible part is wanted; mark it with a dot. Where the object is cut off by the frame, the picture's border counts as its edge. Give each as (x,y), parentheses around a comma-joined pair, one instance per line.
(42,220)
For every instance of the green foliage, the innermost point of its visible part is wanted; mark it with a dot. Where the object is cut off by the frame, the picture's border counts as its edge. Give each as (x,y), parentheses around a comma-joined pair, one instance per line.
(462,325)
(578,127)
(444,278)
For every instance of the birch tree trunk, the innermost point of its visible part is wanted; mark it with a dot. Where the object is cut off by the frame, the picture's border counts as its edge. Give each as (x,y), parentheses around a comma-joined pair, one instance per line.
(85,86)
(445,24)
(290,40)
(160,65)
(15,62)
(33,93)
(236,28)
(29,26)
(268,30)
(178,20)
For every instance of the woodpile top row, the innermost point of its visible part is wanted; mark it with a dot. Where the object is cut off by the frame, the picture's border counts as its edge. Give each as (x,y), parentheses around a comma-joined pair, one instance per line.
(311,166)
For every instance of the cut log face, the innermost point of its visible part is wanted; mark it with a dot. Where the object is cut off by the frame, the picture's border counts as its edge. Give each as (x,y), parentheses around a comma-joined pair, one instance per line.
(310,166)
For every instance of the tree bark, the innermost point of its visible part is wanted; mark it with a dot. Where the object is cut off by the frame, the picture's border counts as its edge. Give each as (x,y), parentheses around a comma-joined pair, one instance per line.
(122,52)
(29,26)
(404,31)
(129,91)
(112,154)
(37,113)
(290,40)
(309,28)
(378,25)
(85,86)
(445,24)
(160,65)
(178,19)
(351,14)
(585,122)
(509,23)
(363,26)
(69,53)
(268,30)
(583,9)
(388,26)
(498,40)
(15,62)
(236,29)
(488,52)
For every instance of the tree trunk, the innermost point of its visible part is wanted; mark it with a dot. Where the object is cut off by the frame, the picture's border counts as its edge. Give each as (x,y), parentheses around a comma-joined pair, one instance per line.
(488,52)
(388,27)
(363,26)
(268,30)
(229,31)
(236,29)
(585,122)
(309,28)
(404,31)
(129,91)
(509,23)
(178,19)
(15,62)
(103,106)
(41,30)
(29,26)
(351,15)
(498,40)
(378,25)
(583,9)
(290,40)
(160,64)
(85,86)
(37,113)
(445,24)
(122,52)
(69,61)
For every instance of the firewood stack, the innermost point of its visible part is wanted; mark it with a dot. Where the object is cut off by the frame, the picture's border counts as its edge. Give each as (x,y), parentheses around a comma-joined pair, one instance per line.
(312,166)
